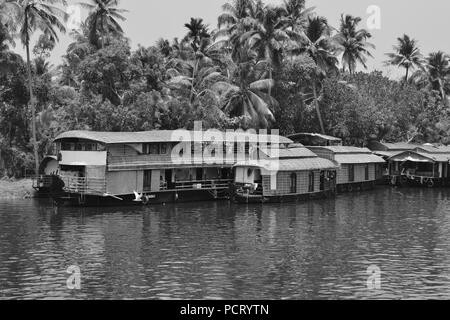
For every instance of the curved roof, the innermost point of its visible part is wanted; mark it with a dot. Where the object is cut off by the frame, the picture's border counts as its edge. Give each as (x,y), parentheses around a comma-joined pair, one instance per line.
(315,135)
(166,136)
(343,150)
(415,156)
(302,164)
(283,153)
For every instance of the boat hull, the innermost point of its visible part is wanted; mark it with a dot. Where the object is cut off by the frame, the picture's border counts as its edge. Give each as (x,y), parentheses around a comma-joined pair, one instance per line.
(247,199)
(149,199)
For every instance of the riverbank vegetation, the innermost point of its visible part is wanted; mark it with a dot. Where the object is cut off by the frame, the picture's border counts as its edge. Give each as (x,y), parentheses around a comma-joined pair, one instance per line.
(11,188)
(262,66)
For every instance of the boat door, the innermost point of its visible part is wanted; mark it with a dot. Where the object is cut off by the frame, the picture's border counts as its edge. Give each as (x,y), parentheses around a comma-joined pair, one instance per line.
(322,180)
(169,180)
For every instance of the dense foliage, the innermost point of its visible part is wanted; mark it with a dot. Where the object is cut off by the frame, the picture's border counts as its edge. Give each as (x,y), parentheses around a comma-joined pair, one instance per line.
(264,66)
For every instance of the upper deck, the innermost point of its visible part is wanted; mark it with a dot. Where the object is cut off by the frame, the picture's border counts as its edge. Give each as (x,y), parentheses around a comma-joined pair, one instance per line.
(121,151)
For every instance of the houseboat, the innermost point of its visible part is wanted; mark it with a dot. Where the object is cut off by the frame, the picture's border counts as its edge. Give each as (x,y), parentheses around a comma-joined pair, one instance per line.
(426,165)
(288,174)
(101,168)
(387,150)
(359,168)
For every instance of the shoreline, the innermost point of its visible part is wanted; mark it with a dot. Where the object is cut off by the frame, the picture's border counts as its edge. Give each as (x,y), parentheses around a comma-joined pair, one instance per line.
(16,189)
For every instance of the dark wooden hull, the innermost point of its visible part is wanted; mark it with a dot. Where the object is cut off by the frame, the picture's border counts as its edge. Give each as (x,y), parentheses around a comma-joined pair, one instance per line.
(151,199)
(244,199)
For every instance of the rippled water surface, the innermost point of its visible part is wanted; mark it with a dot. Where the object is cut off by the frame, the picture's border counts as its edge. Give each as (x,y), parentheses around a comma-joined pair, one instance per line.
(310,250)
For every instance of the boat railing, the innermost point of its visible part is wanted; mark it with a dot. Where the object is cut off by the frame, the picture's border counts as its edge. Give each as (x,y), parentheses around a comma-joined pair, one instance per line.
(83,185)
(203,184)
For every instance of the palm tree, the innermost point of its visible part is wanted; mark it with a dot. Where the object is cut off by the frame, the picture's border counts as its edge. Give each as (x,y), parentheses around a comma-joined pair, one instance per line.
(197,33)
(353,43)
(435,74)
(199,39)
(244,94)
(406,55)
(237,18)
(44,16)
(164,47)
(268,37)
(318,44)
(103,20)
(296,17)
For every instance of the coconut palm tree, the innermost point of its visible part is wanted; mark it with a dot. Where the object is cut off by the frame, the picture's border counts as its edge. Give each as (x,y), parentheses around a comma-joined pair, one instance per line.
(44,16)
(406,55)
(319,45)
(296,17)
(237,18)
(353,43)
(268,37)
(245,93)
(164,47)
(435,74)
(199,38)
(103,20)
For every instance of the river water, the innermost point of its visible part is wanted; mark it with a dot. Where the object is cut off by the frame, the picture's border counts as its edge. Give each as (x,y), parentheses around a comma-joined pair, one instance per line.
(310,250)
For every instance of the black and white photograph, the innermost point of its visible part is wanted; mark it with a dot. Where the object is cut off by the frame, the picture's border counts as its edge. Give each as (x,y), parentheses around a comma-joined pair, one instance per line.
(224,150)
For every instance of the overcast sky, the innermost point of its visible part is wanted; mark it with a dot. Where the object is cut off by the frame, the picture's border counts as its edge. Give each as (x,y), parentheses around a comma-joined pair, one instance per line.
(426,21)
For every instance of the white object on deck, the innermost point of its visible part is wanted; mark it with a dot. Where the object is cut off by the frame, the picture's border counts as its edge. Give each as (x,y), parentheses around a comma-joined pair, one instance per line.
(138,197)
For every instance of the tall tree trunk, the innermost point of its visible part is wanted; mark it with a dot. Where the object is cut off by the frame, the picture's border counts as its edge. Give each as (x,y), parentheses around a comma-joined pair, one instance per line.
(270,87)
(406,77)
(319,116)
(444,97)
(33,112)
(194,72)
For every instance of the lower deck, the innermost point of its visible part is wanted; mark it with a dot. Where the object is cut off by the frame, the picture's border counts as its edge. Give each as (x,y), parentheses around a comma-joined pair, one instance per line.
(401,180)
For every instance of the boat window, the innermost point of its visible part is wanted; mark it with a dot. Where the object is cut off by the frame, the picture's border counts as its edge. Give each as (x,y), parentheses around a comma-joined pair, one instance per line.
(65,146)
(147,179)
(311,182)
(366,172)
(163,148)
(351,173)
(154,148)
(293,183)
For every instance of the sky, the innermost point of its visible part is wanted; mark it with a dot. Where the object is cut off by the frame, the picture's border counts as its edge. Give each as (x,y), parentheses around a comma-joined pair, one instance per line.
(426,21)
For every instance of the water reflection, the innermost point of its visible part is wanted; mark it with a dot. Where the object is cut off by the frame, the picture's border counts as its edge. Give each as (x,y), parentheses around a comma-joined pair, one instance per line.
(310,250)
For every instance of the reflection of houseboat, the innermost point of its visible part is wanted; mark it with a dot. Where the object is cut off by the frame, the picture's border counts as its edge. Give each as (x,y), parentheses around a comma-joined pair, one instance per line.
(150,167)
(426,165)
(359,167)
(287,174)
